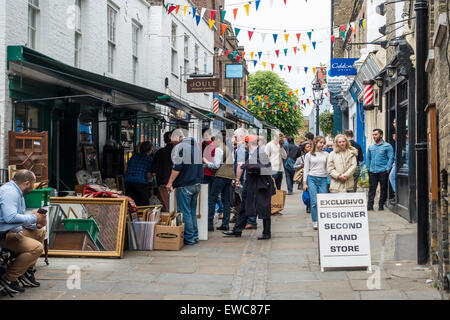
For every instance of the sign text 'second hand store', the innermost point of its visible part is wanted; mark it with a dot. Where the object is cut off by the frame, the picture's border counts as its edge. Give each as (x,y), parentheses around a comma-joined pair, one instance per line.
(203,85)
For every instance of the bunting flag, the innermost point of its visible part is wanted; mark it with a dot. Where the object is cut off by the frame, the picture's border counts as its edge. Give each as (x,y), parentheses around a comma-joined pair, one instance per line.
(298,36)
(213,12)
(236,31)
(285,1)
(304,90)
(171,8)
(251,55)
(198,17)
(255,62)
(227,53)
(343,35)
(307,101)
(296,91)
(247,7)
(257,4)
(177,9)
(259,98)
(211,23)
(286,36)
(304,47)
(278,53)
(263,37)
(353,27)
(314,45)
(314,70)
(224,28)
(275,37)
(264,64)
(272,65)
(343,28)
(281,67)
(250,34)
(285,52)
(333,38)
(235,12)
(238,58)
(309,35)
(306,69)
(289,67)
(295,50)
(364,23)
(235,54)
(224,12)
(243,54)
(265,98)
(184,10)
(259,55)
(202,12)
(194,11)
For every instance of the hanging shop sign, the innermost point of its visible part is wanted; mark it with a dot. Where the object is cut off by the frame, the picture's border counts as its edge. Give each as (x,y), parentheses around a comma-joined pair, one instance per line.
(343,230)
(203,85)
(334,84)
(343,67)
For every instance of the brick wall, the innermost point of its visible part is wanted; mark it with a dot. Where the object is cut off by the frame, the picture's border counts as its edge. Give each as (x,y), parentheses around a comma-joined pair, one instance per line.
(439,93)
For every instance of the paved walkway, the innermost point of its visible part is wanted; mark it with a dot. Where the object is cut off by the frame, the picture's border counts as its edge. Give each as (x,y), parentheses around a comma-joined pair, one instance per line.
(285,267)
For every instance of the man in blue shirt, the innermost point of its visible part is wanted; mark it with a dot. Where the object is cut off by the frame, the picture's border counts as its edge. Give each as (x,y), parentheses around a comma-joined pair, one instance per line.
(20,233)
(186,177)
(380,158)
(138,173)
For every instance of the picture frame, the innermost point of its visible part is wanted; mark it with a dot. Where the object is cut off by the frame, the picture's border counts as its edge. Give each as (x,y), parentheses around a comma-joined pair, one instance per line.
(90,158)
(97,175)
(95,209)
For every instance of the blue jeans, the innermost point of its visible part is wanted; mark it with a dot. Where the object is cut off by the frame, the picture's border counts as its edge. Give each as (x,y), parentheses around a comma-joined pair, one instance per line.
(290,179)
(220,187)
(187,204)
(219,204)
(392,176)
(316,185)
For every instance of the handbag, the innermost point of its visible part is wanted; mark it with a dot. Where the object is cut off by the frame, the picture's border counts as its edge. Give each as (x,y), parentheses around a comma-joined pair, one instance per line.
(225,170)
(298,176)
(277,201)
(289,164)
(306,198)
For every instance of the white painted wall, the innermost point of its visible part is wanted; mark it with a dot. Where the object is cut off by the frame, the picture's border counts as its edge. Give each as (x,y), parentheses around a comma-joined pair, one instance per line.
(56,38)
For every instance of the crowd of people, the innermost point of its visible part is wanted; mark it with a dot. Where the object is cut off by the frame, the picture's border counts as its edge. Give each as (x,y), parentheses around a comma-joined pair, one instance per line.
(241,170)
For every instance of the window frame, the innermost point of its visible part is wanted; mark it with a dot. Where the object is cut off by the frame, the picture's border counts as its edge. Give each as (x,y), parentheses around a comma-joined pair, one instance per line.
(78,37)
(196,58)
(33,7)
(135,37)
(112,41)
(173,47)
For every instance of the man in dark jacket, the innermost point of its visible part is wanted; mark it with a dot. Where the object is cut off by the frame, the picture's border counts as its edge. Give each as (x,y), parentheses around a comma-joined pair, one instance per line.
(359,159)
(293,152)
(186,176)
(259,187)
(162,168)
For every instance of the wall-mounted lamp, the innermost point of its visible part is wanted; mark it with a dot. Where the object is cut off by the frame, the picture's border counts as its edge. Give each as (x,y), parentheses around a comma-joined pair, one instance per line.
(390,70)
(382,30)
(379,81)
(107,110)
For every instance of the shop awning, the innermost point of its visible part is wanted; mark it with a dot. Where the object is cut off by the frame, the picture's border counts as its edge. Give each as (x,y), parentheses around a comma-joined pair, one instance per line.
(173,102)
(21,53)
(236,110)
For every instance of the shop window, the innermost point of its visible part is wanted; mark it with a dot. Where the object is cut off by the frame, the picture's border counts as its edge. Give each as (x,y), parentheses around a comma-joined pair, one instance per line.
(26,118)
(78,34)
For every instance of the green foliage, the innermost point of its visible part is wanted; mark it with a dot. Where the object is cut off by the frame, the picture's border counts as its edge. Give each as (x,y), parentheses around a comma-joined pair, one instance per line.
(268,83)
(326,122)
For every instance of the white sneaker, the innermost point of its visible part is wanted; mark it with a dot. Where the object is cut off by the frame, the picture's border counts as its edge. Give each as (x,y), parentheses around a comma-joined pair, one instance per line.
(315,226)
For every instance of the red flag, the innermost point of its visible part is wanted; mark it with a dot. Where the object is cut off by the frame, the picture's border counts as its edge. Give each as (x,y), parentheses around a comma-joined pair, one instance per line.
(289,67)
(268,105)
(227,53)
(238,58)
(213,12)
(298,36)
(171,8)
(285,1)
(250,34)
(295,50)
(333,38)
(277,52)
(343,27)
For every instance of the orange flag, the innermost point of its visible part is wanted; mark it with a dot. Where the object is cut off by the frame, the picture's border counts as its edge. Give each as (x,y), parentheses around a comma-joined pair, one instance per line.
(298,36)
(235,13)
(272,65)
(295,50)
(224,28)
(243,54)
(286,36)
(304,47)
(177,8)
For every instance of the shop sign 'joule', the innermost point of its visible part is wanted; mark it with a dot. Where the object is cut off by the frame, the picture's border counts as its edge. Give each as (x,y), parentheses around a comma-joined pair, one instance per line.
(203,85)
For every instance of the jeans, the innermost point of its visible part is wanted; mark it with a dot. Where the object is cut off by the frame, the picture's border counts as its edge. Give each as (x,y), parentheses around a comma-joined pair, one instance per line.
(290,179)
(392,176)
(316,185)
(187,204)
(220,187)
(374,178)
(278,176)
(219,203)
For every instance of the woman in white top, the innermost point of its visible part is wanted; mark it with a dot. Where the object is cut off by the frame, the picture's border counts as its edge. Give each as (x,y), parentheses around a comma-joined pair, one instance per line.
(315,174)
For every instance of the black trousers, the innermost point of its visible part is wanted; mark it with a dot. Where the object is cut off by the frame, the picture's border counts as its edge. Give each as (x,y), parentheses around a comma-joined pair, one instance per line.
(266,226)
(139,192)
(374,179)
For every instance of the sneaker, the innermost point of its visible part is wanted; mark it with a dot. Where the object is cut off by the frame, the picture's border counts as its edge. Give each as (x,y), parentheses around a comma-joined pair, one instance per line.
(12,286)
(315,227)
(28,279)
(224,228)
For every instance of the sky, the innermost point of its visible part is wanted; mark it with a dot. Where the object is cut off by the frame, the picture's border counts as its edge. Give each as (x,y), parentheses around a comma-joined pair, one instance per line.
(276,17)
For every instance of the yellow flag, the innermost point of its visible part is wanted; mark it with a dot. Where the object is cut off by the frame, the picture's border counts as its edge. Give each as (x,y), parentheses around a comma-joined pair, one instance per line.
(259,98)
(184,9)
(296,92)
(247,6)
(251,55)
(264,64)
(285,104)
(314,70)
(286,36)
(211,23)
(364,23)
(304,47)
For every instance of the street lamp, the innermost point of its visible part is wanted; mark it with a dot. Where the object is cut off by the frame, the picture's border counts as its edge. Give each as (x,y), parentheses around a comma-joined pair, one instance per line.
(318,100)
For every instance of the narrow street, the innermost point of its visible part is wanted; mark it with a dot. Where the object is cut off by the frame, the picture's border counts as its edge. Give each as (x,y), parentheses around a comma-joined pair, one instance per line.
(285,267)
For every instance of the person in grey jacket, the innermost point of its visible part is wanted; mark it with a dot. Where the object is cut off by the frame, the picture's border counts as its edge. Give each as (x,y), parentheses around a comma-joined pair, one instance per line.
(380,158)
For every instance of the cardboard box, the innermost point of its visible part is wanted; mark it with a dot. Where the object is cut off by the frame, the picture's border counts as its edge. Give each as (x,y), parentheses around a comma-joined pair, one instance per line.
(168,238)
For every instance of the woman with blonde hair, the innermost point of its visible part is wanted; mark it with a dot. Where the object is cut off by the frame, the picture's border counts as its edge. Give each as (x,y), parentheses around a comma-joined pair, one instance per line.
(315,174)
(341,165)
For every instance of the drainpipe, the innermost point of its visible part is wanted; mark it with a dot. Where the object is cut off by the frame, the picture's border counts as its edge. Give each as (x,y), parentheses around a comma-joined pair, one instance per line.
(423,247)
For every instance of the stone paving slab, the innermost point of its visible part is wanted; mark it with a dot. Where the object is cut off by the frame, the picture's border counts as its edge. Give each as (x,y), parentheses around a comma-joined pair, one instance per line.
(383,295)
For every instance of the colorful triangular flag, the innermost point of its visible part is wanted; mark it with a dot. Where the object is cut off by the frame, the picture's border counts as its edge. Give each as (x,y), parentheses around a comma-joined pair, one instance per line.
(272,65)
(171,8)
(235,12)
(309,35)
(333,38)
(257,4)
(286,36)
(250,34)
(306,69)
(198,17)
(184,10)
(285,52)
(304,48)
(251,55)
(275,37)
(224,12)
(263,36)
(278,53)
(224,28)
(298,36)
(211,23)
(247,7)
(264,64)
(194,12)
(281,68)
(236,31)
(254,63)
(177,9)
(314,45)
(259,54)
(295,50)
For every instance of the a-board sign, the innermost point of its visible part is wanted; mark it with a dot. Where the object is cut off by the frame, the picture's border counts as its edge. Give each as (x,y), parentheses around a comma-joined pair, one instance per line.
(203,85)
(343,230)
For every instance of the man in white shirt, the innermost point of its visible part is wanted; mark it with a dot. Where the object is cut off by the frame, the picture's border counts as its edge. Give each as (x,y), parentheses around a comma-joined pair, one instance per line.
(277,154)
